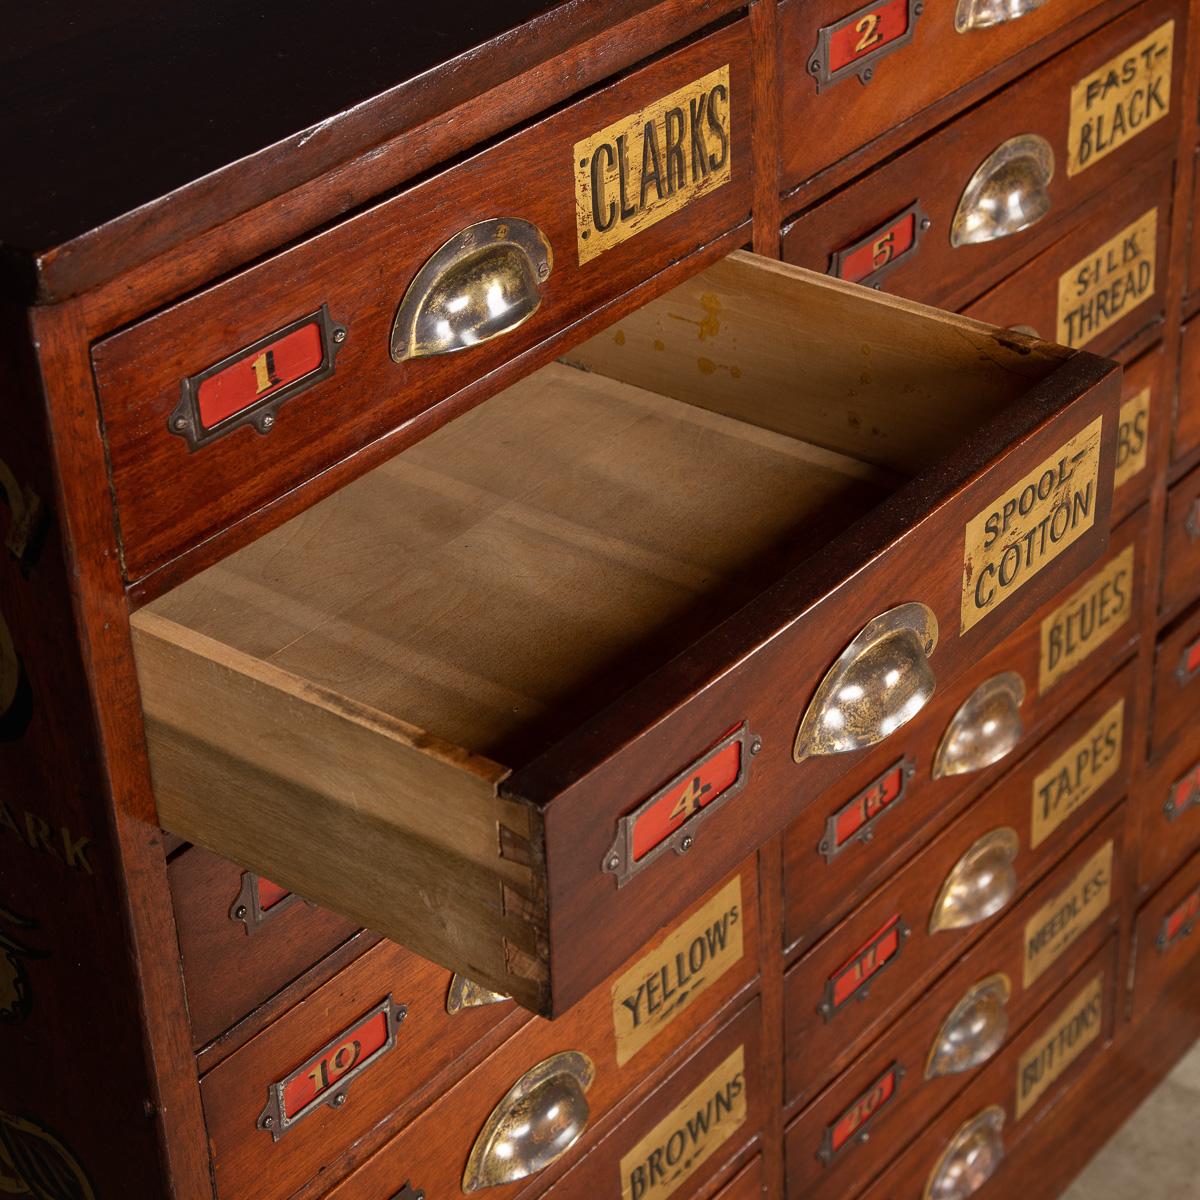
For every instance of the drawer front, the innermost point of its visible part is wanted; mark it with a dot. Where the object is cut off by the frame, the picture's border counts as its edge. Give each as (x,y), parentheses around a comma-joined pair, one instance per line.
(847,988)
(1193,271)
(241,938)
(265,343)
(908,56)
(1176,681)
(625,1029)
(1164,941)
(1187,403)
(925,224)
(1144,413)
(1181,544)
(1168,803)
(750,1183)
(1024,1082)
(1104,280)
(708,1109)
(839,849)
(862,1121)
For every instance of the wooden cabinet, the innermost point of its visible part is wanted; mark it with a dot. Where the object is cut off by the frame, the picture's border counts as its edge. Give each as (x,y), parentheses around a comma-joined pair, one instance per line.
(531,662)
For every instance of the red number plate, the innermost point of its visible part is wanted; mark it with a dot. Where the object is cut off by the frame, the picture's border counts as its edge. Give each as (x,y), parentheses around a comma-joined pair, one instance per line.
(862,967)
(853,1123)
(853,45)
(324,1078)
(1185,793)
(1189,663)
(248,387)
(868,260)
(1179,921)
(668,820)
(856,819)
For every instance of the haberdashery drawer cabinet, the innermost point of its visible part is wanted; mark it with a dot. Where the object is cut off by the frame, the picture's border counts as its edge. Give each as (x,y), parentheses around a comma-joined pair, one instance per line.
(597,599)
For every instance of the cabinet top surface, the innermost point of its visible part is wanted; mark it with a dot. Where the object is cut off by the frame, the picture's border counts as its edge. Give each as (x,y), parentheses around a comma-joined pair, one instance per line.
(120,105)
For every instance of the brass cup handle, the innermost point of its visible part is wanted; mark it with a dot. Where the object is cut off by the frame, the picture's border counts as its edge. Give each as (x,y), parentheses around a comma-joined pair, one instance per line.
(971,1159)
(986,728)
(984,14)
(1009,192)
(980,884)
(543,1115)
(484,282)
(974,1030)
(879,682)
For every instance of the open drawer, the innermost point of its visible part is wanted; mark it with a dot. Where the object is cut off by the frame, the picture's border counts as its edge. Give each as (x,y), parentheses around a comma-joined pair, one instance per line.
(520,694)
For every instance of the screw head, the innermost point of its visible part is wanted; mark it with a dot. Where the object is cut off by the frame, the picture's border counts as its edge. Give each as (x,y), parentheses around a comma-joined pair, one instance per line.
(926,224)
(687,843)
(756,746)
(267,421)
(868,74)
(339,336)
(339,1100)
(614,861)
(268,1122)
(180,423)
(239,913)
(814,67)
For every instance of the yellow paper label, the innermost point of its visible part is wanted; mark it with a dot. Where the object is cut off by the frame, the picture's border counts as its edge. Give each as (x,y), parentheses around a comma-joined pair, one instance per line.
(1132,436)
(1057,924)
(1086,619)
(636,171)
(1031,524)
(661,984)
(1119,100)
(1069,1035)
(1077,774)
(1108,283)
(686,1138)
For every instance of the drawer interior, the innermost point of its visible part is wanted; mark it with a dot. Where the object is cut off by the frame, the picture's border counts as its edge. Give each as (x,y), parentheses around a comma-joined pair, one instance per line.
(514,572)
(338,705)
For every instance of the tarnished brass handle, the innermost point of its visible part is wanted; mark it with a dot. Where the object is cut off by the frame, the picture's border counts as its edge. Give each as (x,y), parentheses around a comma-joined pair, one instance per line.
(980,884)
(543,1115)
(971,1159)
(986,728)
(483,282)
(983,14)
(1009,191)
(974,1030)
(879,682)
(466,993)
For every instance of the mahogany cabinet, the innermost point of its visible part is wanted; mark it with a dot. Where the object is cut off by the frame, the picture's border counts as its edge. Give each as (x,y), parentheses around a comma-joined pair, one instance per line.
(597,598)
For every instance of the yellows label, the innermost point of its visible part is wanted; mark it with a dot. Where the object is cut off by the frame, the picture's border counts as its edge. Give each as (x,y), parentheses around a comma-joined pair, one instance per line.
(1132,435)
(1120,99)
(1069,1035)
(1012,539)
(1057,924)
(1086,619)
(661,984)
(652,163)
(685,1139)
(1077,774)
(1110,282)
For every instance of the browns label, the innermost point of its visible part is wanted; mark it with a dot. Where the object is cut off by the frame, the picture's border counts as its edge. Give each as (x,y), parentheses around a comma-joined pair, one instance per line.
(1059,922)
(644,167)
(658,1165)
(1086,619)
(1102,287)
(1069,1035)
(662,983)
(1132,434)
(1030,525)
(1120,99)
(1077,774)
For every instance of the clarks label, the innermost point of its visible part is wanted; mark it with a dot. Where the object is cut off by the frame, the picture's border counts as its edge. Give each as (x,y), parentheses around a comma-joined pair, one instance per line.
(1030,525)
(1086,619)
(657,988)
(1057,924)
(1070,1034)
(1132,435)
(1100,289)
(652,163)
(687,1137)
(1120,99)
(1077,775)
